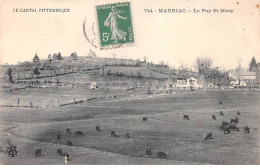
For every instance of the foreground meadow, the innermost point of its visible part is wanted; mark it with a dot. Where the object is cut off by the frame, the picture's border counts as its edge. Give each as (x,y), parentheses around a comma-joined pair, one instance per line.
(165,130)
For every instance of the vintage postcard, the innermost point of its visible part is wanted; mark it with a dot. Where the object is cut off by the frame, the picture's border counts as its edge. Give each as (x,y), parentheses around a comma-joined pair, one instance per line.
(138,82)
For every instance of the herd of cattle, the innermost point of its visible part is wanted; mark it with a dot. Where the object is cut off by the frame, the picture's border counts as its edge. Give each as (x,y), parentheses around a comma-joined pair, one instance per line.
(98,129)
(226,127)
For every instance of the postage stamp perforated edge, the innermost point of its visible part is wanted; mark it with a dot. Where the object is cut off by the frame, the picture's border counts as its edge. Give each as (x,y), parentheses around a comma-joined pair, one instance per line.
(123,44)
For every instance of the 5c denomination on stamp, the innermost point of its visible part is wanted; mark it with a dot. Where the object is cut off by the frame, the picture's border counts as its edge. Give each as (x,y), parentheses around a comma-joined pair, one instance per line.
(115,24)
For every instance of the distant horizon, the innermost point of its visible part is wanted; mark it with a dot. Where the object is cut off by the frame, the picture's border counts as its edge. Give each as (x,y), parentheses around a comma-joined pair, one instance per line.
(118,57)
(177,39)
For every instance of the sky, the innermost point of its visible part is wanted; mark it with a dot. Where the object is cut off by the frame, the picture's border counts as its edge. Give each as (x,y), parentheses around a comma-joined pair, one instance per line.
(176,38)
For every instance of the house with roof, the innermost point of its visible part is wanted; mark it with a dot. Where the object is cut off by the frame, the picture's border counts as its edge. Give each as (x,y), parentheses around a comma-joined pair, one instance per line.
(189,83)
(244,77)
(237,83)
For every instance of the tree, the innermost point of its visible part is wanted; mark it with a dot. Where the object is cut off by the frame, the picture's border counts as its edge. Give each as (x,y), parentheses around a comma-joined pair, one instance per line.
(74,55)
(9,73)
(49,57)
(145,58)
(252,65)
(54,56)
(138,62)
(59,57)
(36,59)
(204,64)
(36,72)
(161,63)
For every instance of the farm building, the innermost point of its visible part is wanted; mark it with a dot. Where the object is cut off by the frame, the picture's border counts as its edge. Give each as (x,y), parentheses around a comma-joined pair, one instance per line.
(237,83)
(188,83)
(93,85)
(246,76)
(181,84)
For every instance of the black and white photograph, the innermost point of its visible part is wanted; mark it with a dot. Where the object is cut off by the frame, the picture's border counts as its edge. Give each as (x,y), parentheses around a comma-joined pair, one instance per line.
(139,82)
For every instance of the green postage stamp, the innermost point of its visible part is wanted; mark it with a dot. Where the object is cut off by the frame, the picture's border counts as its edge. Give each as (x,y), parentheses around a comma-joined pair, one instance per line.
(115,24)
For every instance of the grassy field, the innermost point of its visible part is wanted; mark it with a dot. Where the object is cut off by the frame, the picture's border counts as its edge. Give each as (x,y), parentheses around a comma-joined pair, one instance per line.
(165,130)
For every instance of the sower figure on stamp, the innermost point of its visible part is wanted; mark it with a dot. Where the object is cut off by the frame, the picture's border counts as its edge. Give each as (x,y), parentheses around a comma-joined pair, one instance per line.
(111,22)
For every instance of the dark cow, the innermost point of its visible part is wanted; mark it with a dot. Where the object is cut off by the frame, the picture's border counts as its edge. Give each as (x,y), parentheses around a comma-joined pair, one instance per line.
(223,125)
(220,102)
(144,119)
(38,152)
(98,129)
(69,143)
(127,135)
(221,113)
(68,131)
(208,136)
(60,152)
(186,117)
(113,134)
(12,151)
(161,155)
(79,133)
(148,151)
(58,136)
(234,121)
(226,129)
(214,117)
(233,127)
(246,129)
(238,113)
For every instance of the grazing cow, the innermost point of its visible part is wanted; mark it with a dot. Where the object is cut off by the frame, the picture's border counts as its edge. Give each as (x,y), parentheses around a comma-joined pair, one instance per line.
(60,152)
(214,117)
(127,135)
(58,136)
(98,128)
(79,133)
(144,119)
(70,143)
(221,113)
(246,129)
(113,134)
(12,151)
(226,129)
(186,117)
(234,121)
(68,131)
(220,102)
(233,128)
(208,136)
(161,155)
(238,113)
(38,152)
(148,151)
(223,125)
